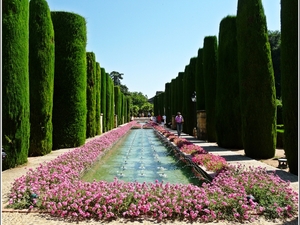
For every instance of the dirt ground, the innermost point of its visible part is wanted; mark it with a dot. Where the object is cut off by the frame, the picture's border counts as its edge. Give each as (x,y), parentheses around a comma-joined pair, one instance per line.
(272,161)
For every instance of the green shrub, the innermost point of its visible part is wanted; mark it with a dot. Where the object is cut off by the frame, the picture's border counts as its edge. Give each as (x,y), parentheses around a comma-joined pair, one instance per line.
(69,101)
(289,80)
(256,81)
(228,114)
(98,99)
(15,82)
(210,62)
(91,94)
(103,99)
(41,79)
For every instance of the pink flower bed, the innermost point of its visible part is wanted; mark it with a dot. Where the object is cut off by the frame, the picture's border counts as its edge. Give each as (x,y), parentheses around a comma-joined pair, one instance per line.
(56,188)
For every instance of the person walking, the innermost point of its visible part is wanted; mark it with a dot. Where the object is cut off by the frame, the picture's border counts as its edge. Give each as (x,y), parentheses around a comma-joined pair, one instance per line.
(158,119)
(164,120)
(179,120)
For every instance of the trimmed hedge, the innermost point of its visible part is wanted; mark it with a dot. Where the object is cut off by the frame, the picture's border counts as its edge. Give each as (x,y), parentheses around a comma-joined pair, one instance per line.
(110,113)
(98,99)
(168,102)
(15,82)
(103,99)
(228,115)
(118,104)
(186,98)
(257,86)
(200,93)
(210,61)
(289,80)
(91,94)
(41,79)
(69,101)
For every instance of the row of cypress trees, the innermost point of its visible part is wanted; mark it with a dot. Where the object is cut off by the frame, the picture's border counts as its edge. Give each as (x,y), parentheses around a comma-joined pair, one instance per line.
(235,84)
(54,92)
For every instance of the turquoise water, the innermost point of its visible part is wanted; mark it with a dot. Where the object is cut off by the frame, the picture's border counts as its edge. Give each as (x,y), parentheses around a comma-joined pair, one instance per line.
(140,156)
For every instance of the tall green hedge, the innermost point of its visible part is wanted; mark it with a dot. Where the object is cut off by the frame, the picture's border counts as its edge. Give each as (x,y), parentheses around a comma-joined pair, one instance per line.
(179,93)
(124,109)
(257,86)
(15,82)
(41,77)
(192,79)
(174,97)
(109,103)
(103,99)
(91,94)
(168,102)
(129,105)
(210,63)
(98,99)
(199,81)
(228,114)
(69,101)
(118,103)
(289,80)
(186,98)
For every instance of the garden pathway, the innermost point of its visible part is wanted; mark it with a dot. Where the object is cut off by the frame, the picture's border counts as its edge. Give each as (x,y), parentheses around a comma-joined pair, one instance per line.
(10,217)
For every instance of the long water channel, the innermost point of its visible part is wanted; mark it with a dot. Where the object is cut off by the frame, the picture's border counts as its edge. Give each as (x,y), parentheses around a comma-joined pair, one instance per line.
(142,157)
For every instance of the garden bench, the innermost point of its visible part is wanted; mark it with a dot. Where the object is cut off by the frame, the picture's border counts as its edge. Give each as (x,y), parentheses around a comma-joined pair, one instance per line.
(282,163)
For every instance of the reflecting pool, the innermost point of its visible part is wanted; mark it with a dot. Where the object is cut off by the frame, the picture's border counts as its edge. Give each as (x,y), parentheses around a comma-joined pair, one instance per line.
(140,156)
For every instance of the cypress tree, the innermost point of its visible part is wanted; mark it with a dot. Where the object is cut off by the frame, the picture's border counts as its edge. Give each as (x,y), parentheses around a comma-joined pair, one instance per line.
(179,93)
(124,109)
(109,104)
(168,101)
(186,98)
(199,80)
(91,94)
(192,80)
(15,82)
(256,81)
(41,79)
(289,80)
(210,60)
(118,103)
(98,99)
(69,100)
(103,99)
(129,106)
(228,115)
(174,95)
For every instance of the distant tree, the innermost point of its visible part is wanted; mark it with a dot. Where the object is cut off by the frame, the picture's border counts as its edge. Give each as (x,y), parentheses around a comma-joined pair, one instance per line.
(124,89)
(116,77)
(134,110)
(147,107)
(138,99)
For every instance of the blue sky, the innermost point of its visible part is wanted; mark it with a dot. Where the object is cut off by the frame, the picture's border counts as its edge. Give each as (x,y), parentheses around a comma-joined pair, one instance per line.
(151,41)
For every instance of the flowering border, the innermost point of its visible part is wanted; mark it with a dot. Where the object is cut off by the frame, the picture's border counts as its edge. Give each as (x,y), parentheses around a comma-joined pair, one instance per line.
(236,194)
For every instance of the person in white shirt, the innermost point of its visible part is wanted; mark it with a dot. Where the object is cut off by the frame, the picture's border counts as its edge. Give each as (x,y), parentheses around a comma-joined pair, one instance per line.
(164,120)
